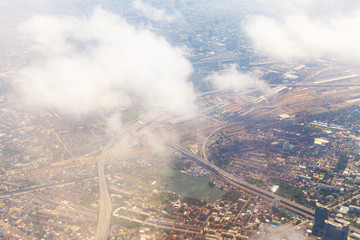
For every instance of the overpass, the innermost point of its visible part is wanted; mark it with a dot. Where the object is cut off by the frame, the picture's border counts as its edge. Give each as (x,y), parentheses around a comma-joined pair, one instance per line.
(41,187)
(315,85)
(308,85)
(297,208)
(164,225)
(104,217)
(235,181)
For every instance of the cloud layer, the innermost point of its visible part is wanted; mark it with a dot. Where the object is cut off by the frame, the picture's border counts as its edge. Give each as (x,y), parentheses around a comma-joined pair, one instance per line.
(301,32)
(101,63)
(231,78)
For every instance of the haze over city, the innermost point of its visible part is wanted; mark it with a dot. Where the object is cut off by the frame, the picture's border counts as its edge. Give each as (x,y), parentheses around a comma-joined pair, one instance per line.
(179,119)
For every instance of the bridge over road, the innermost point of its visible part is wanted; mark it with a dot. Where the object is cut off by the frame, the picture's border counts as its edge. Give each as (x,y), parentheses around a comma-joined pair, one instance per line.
(297,208)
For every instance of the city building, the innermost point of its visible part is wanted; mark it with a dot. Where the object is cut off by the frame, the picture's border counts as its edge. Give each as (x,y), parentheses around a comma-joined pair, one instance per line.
(321,215)
(337,230)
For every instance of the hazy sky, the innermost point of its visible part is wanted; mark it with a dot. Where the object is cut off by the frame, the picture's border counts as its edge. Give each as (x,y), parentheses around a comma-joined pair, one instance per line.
(97,61)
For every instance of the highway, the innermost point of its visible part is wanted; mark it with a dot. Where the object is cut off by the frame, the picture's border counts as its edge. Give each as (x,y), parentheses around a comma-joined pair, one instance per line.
(294,85)
(40,187)
(166,225)
(235,181)
(299,209)
(104,217)
(315,85)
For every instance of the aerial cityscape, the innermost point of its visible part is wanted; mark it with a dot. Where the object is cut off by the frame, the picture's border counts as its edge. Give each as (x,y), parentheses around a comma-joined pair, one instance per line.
(179,119)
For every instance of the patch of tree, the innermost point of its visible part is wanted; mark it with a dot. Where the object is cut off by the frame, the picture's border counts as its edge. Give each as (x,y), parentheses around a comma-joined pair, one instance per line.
(354,224)
(194,202)
(311,129)
(289,191)
(220,162)
(342,163)
(345,117)
(211,184)
(256,182)
(173,197)
(180,164)
(232,195)
(125,223)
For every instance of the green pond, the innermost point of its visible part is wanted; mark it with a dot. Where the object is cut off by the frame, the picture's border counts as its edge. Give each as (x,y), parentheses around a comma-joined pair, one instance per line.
(191,187)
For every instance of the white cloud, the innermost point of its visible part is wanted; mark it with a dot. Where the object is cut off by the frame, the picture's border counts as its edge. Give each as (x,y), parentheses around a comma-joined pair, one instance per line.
(303,32)
(101,63)
(153,13)
(231,78)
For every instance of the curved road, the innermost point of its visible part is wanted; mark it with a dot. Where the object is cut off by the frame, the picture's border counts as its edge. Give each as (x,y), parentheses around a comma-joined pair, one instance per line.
(104,217)
(306,212)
